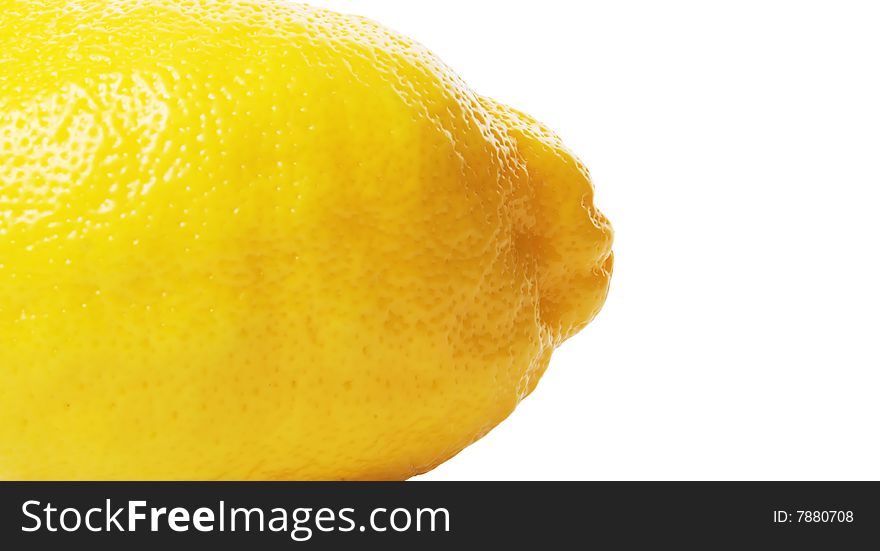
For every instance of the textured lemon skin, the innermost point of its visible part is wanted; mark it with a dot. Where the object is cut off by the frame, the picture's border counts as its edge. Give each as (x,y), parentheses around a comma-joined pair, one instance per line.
(252,240)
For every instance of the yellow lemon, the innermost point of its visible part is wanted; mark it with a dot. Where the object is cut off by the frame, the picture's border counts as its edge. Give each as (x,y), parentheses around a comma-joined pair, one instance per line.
(252,240)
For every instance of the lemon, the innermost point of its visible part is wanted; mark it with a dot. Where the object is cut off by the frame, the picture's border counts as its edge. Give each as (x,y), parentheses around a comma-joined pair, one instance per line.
(254,240)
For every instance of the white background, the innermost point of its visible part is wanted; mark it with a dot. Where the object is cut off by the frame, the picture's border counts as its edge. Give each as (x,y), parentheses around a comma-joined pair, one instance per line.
(735,146)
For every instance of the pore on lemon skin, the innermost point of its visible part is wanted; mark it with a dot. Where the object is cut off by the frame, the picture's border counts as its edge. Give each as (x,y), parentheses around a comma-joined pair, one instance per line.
(253,240)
